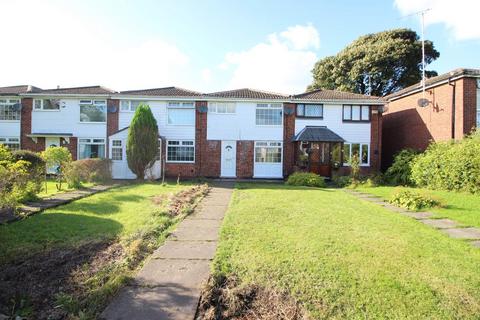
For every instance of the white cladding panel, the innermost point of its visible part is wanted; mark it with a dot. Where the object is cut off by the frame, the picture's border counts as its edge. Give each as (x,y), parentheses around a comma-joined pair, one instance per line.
(241,125)
(332,119)
(159,110)
(67,120)
(10,129)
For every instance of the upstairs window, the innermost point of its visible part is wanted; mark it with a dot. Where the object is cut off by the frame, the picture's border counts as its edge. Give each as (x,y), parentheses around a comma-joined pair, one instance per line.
(269,114)
(130,105)
(10,143)
(46,104)
(181,113)
(10,109)
(221,107)
(93,111)
(310,110)
(356,113)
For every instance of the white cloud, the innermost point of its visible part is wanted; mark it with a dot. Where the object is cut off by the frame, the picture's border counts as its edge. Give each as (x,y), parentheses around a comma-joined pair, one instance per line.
(206,75)
(53,45)
(460,16)
(282,63)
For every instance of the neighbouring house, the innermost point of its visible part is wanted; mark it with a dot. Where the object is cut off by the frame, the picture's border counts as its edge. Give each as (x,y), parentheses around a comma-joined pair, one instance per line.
(451,110)
(242,133)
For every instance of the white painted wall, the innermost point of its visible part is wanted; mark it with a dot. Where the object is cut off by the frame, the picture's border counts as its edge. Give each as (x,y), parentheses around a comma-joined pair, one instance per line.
(67,120)
(332,119)
(241,125)
(159,110)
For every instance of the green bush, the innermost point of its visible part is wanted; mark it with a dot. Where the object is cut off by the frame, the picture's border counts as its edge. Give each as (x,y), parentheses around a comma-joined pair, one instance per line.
(36,172)
(306,179)
(88,170)
(413,201)
(342,181)
(400,172)
(15,184)
(450,165)
(58,157)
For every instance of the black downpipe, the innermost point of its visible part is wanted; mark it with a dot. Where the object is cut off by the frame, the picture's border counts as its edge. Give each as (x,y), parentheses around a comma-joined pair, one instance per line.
(454,86)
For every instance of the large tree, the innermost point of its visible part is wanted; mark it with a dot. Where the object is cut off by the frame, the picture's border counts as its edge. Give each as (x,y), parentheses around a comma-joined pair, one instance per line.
(376,64)
(142,141)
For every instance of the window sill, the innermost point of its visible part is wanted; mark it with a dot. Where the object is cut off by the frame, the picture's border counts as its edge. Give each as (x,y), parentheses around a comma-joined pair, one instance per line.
(356,121)
(10,121)
(181,162)
(312,118)
(41,110)
(86,122)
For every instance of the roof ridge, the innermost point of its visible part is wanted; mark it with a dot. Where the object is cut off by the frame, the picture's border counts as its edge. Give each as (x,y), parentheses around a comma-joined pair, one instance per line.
(163,88)
(82,87)
(251,89)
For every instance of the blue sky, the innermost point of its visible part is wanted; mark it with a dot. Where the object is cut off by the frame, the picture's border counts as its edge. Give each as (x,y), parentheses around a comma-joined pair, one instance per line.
(211,45)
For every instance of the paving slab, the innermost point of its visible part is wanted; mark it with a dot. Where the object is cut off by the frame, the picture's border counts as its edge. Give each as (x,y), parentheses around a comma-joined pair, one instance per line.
(463,233)
(440,223)
(183,272)
(186,250)
(476,243)
(418,215)
(195,234)
(168,302)
(209,212)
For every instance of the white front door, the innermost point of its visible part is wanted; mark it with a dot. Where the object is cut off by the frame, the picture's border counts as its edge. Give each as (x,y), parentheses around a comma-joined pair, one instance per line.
(52,142)
(229,159)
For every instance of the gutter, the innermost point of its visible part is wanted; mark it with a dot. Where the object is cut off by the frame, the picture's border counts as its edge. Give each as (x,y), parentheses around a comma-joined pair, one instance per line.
(454,87)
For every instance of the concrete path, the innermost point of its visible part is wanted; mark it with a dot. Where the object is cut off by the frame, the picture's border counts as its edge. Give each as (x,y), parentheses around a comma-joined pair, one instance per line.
(449,227)
(56,200)
(169,284)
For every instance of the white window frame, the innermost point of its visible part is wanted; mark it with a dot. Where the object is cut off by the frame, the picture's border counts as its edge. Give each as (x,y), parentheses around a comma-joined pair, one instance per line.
(180,145)
(130,107)
(10,140)
(113,146)
(350,153)
(92,141)
(268,145)
(305,106)
(185,105)
(269,106)
(360,108)
(88,102)
(8,104)
(42,103)
(213,107)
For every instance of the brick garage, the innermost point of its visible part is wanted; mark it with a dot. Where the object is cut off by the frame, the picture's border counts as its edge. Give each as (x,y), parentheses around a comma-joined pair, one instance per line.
(406,125)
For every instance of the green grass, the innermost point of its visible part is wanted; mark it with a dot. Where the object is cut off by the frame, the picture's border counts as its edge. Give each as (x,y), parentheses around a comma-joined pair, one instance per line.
(49,188)
(119,212)
(461,207)
(342,257)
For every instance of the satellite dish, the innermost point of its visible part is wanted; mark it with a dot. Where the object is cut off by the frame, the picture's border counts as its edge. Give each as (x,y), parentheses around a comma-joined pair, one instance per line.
(203,109)
(422,103)
(112,109)
(382,109)
(17,107)
(289,111)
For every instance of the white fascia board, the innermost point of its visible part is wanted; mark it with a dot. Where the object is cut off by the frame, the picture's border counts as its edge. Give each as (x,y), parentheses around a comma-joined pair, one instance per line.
(156,98)
(334,101)
(66,96)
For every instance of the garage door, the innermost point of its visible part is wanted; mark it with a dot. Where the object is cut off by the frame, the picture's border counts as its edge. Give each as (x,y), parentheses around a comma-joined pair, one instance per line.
(268,159)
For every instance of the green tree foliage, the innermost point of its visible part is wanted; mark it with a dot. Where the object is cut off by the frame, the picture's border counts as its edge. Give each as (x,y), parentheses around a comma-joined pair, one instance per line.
(376,64)
(58,157)
(142,142)
(450,165)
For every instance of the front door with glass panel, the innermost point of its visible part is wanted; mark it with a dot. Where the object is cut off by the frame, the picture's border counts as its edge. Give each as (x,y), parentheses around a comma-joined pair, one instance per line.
(52,142)
(319,158)
(229,159)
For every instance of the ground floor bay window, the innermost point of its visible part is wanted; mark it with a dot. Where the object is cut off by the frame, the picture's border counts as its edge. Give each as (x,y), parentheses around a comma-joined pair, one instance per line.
(181,151)
(91,148)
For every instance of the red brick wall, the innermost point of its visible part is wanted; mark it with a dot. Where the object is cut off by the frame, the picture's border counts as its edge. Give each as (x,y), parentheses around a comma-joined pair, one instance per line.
(26,128)
(207,152)
(375,139)
(288,133)
(245,159)
(112,117)
(406,125)
(72,146)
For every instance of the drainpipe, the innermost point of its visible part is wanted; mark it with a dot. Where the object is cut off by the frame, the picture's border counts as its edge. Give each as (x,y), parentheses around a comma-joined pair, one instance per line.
(454,86)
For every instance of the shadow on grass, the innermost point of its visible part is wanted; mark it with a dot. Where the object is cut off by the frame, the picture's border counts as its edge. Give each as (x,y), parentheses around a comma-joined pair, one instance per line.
(110,205)
(276,186)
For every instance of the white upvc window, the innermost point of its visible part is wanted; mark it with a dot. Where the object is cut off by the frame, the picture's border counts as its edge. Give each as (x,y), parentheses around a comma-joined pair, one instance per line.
(181,151)
(362,150)
(9,109)
(222,107)
(130,105)
(91,148)
(46,104)
(356,113)
(310,110)
(268,152)
(93,111)
(117,150)
(181,113)
(10,143)
(269,114)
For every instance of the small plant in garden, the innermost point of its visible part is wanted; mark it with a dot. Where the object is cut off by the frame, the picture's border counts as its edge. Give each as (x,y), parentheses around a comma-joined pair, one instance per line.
(60,158)
(306,179)
(88,170)
(400,172)
(14,179)
(342,181)
(413,201)
(142,142)
(354,168)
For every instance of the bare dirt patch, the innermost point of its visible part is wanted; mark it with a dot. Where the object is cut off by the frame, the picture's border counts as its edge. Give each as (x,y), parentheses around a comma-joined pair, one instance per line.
(226,298)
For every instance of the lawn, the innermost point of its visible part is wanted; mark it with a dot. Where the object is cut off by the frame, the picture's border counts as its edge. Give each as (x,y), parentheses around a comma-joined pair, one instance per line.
(49,188)
(119,212)
(461,207)
(342,257)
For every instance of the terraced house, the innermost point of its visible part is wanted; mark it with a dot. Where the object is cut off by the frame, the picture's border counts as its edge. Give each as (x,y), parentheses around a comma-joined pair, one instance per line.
(240,133)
